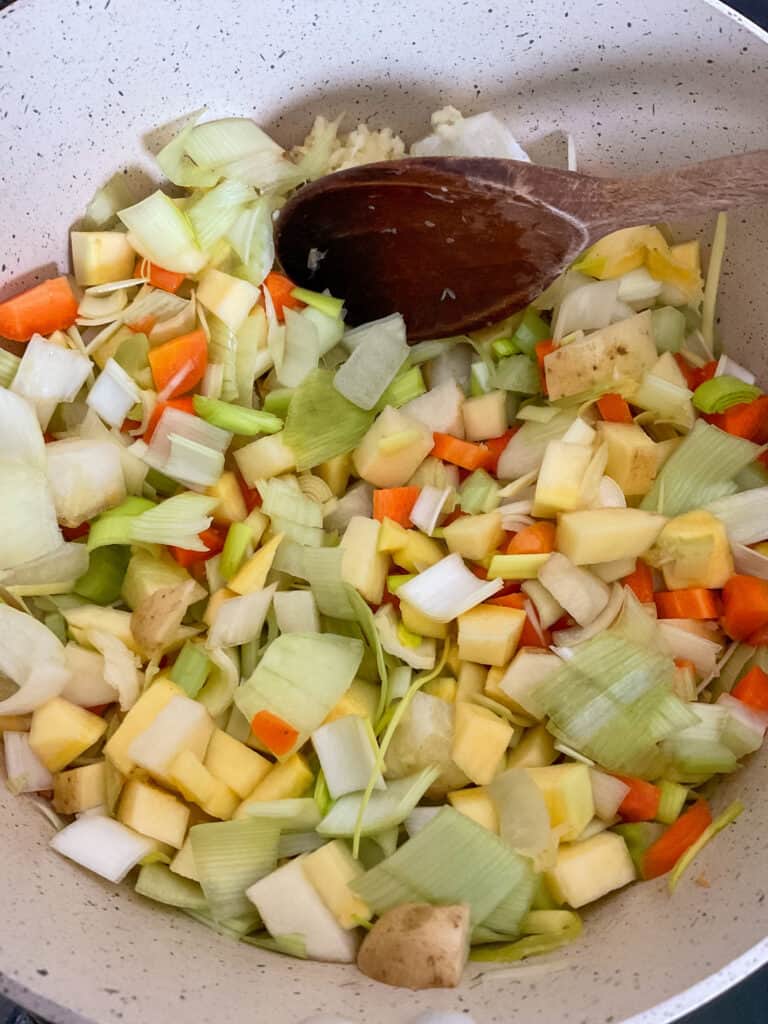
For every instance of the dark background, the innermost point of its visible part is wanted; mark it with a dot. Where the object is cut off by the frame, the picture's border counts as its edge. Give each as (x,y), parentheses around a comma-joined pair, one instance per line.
(745,1004)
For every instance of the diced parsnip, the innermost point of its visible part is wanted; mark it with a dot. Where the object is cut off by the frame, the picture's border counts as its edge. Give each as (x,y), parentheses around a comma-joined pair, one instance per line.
(485,416)
(196,783)
(231,504)
(490,634)
(567,792)
(284,781)
(535,750)
(471,680)
(444,688)
(418,552)
(610,572)
(624,349)
(253,575)
(257,522)
(183,724)
(419,623)
(392,536)
(336,472)
(149,571)
(235,764)
(61,731)
(586,871)
(264,458)
(363,566)
(153,812)
(392,449)
(289,905)
(620,252)
(632,457)
(330,870)
(86,617)
(423,738)
(530,667)
(693,551)
(492,689)
(606,534)
(580,593)
(79,789)
(99,257)
(139,718)
(475,537)
(229,298)
(516,567)
(547,608)
(362,699)
(561,478)
(475,803)
(436,473)
(184,862)
(480,740)
(439,409)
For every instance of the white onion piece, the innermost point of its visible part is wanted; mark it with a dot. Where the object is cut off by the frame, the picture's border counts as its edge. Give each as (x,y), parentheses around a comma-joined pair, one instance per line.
(448,589)
(580,593)
(358,501)
(48,374)
(85,477)
(749,562)
(690,647)
(102,845)
(21,438)
(25,772)
(114,394)
(63,566)
(429,507)
(98,307)
(87,686)
(579,634)
(120,666)
(608,794)
(421,657)
(727,367)
(609,494)
(240,619)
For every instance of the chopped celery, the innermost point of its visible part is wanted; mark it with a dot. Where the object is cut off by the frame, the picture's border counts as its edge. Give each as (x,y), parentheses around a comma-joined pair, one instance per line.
(671,801)
(516,567)
(191,669)
(325,303)
(278,401)
(545,931)
(519,374)
(229,857)
(668,328)
(178,520)
(236,418)
(479,493)
(385,809)
(406,386)
(531,329)
(161,484)
(114,526)
(159,883)
(720,393)
(222,351)
(729,815)
(639,836)
(504,347)
(479,380)
(236,546)
(102,583)
(9,364)
(132,355)
(321,423)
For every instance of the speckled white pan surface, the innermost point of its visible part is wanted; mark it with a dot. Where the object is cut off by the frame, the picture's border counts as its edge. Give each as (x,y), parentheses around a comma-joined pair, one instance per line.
(640,83)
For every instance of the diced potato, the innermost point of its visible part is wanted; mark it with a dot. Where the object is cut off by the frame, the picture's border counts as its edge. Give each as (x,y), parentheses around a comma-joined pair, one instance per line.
(632,457)
(336,472)
(620,252)
(421,624)
(184,862)
(586,871)
(476,804)
(470,679)
(485,416)
(475,537)
(183,724)
(392,449)
(489,634)
(253,575)
(235,764)
(61,731)
(140,717)
(567,792)
(264,458)
(362,564)
(229,298)
(529,667)
(492,689)
(79,789)
(444,688)
(535,750)
(231,507)
(392,536)
(479,742)
(289,779)
(153,812)
(610,572)
(362,699)
(99,257)
(330,870)
(606,534)
(693,551)
(196,783)
(418,552)
(257,522)
(623,349)
(559,487)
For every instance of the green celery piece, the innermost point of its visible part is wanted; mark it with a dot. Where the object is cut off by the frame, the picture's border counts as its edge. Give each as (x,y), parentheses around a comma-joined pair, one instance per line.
(114,526)
(103,580)
(504,347)
(278,401)
(236,418)
(668,328)
(325,303)
(406,386)
(639,836)
(321,423)
(191,669)
(133,356)
(536,944)
(479,493)
(238,540)
(9,364)
(531,330)
(479,380)
(671,802)
(162,484)
(57,624)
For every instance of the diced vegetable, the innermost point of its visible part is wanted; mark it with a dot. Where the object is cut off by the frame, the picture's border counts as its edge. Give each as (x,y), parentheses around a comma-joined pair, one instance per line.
(43,309)
(588,870)
(662,855)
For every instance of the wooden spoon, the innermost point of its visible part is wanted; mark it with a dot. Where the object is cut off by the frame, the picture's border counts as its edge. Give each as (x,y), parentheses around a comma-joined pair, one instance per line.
(455,243)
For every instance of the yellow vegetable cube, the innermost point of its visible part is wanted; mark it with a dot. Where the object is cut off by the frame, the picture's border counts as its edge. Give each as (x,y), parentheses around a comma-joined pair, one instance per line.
(561,477)
(215,601)
(485,416)
(264,458)
(257,522)
(588,870)
(392,536)
(139,718)
(606,534)
(79,789)
(361,699)
(490,634)
(393,448)
(336,472)
(480,739)
(363,566)
(632,457)
(535,750)
(241,768)
(184,862)
(421,624)
(693,550)
(330,870)
(567,792)
(231,507)
(470,680)
(61,731)
(92,616)
(253,575)
(476,804)
(475,537)
(444,688)
(619,252)
(99,257)
(193,780)
(183,724)
(519,683)
(291,778)
(229,298)
(153,812)
(492,689)
(418,552)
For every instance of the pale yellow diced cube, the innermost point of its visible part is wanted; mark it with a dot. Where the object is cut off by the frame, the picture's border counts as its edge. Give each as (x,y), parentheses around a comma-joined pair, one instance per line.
(264,458)
(336,472)
(475,537)
(196,783)
(421,624)
(418,552)
(61,731)
(392,536)
(79,789)
(567,792)
(493,690)
(235,764)
(231,504)
(490,634)
(535,750)
(444,688)
(184,862)
(363,566)
(291,778)
(153,812)
(257,522)
(361,699)
(480,740)
(588,870)
(330,870)
(632,457)
(476,804)
(253,575)
(471,680)
(485,416)
(392,449)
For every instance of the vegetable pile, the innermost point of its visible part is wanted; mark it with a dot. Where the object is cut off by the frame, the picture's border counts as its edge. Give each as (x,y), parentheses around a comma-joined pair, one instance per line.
(317,635)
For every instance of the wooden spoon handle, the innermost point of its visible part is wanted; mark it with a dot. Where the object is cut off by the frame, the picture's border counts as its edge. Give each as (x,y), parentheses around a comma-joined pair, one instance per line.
(721,184)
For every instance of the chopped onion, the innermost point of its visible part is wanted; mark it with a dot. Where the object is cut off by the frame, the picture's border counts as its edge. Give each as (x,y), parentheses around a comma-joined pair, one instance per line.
(240,619)
(358,501)
(379,350)
(727,367)
(547,608)
(102,845)
(439,409)
(120,666)
(48,374)
(113,394)
(62,567)
(579,592)
(448,589)
(744,515)
(609,495)
(296,611)
(160,231)
(21,438)
(590,307)
(85,477)
(578,634)
(421,657)
(25,771)
(28,515)
(347,756)
(608,793)
(87,686)
(429,507)
(749,562)
(690,647)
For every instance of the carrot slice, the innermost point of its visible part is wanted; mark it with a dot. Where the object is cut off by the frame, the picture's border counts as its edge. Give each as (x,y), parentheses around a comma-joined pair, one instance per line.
(641,802)
(280,288)
(395,503)
(752,689)
(538,539)
(159,277)
(212,538)
(747,419)
(745,606)
(275,733)
(661,856)
(614,409)
(496,446)
(143,326)
(689,603)
(508,601)
(641,582)
(460,453)
(48,307)
(178,365)
(543,349)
